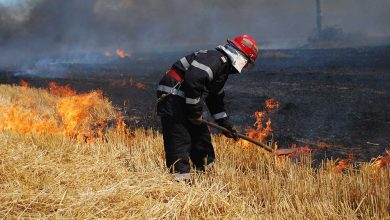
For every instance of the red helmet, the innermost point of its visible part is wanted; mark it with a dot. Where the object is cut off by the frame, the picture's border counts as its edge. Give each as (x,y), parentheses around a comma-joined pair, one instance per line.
(247,45)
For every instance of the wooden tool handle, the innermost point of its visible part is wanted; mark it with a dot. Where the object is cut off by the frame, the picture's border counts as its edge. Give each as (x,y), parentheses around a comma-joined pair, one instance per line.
(266,147)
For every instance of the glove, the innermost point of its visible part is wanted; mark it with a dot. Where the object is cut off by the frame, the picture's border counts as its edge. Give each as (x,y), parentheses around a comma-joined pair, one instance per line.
(225,122)
(196,121)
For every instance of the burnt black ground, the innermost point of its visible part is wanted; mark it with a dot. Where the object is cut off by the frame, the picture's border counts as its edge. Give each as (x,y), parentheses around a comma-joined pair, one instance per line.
(335,100)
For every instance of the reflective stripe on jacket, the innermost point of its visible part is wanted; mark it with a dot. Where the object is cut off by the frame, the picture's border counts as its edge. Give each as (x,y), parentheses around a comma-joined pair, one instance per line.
(204,74)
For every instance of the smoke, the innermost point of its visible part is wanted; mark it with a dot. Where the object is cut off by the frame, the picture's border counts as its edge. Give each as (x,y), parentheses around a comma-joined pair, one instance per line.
(33,28)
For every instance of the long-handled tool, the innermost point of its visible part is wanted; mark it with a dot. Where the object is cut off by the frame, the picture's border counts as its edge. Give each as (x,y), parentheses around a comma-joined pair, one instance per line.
(278,152)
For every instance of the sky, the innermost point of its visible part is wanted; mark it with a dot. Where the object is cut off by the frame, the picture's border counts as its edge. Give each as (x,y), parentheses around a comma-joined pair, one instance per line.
(31,27)
(9,2)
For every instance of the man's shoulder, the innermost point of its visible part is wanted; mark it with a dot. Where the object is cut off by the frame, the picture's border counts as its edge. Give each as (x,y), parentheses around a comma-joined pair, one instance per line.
(211,56)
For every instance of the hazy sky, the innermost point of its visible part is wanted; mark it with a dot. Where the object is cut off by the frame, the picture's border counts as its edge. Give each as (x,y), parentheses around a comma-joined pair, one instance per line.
(39,26)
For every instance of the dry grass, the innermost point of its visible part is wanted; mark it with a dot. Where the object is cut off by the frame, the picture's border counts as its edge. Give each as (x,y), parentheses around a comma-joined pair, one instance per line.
(53,176)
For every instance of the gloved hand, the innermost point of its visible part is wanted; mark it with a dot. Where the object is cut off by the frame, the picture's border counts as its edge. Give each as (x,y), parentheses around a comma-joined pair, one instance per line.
(225,122)
(196,121)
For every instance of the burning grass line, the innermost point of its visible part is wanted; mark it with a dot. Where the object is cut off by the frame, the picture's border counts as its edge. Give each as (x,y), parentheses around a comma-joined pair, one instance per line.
(52,176)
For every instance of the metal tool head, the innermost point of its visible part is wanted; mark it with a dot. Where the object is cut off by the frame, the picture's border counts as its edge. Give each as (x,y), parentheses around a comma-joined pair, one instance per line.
(285,151)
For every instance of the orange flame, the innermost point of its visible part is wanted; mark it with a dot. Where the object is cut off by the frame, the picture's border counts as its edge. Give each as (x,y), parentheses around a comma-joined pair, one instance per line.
(125,83)
(140,85)
(120,122)
(61,91)
(24,84)
(74,110)
(305,151)
(121,53)
(260,133)
(272,105)
(80,116)
(342,164)
(382,161)
(19,119)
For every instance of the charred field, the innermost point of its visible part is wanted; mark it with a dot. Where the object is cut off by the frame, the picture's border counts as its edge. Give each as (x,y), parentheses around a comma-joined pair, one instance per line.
(337,101)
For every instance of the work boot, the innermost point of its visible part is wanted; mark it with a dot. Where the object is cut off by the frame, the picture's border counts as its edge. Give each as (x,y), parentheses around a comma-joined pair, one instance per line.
(204,168)
(183,177)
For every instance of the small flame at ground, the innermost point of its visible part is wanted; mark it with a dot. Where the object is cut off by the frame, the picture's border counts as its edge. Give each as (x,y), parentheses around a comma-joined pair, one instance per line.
(61,91)
(125,83)
(260,133)
(140,85)
(342,164)
(272,105)
(121,53)
(382,161)
(24,84)
(302,151)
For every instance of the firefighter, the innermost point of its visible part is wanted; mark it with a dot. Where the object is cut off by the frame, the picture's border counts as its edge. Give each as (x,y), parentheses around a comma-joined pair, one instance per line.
(194,79)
